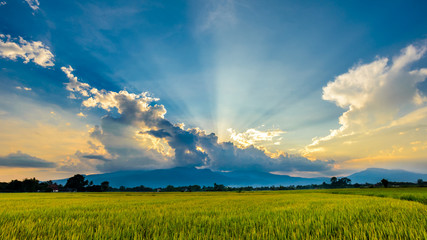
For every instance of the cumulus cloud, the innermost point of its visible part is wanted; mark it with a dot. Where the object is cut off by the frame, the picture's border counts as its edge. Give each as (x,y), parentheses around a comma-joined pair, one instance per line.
(23,160)
(137,135)
(34,51)
(255,137)
(34,4)
(382,102)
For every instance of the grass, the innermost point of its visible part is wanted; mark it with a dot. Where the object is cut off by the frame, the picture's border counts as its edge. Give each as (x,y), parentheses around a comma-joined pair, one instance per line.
(228,215)
(411,194)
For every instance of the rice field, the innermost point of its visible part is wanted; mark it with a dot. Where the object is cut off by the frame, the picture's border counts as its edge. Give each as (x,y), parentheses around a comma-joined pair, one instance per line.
(410,194)
(211,215)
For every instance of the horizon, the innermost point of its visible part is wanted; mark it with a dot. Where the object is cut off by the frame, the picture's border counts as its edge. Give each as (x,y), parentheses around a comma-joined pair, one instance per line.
(301,89)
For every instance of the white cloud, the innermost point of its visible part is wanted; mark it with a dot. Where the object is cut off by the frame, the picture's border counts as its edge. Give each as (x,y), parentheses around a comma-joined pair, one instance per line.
(253,137)
(108,100)
(3,3)
(23,88)
(74,85)
(34,51)
(34,4)
(381,101)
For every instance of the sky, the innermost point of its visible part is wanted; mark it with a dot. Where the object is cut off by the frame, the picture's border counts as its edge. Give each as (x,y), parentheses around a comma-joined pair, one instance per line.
(303,88)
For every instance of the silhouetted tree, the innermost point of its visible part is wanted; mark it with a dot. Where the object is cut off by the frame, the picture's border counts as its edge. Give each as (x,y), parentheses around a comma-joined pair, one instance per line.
(334,180)
(30,185)
(15,186)
(3,186)
(344,181)
(77,182)
(420,182)
(384,182)
(219,187)
(105,186)
(195,188)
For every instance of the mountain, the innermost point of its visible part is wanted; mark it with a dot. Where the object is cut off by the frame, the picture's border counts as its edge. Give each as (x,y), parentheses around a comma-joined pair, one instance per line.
(374,175)
(182,176)
(256,178)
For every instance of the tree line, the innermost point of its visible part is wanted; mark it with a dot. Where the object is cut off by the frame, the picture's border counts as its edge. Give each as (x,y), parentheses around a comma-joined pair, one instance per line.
(78,183)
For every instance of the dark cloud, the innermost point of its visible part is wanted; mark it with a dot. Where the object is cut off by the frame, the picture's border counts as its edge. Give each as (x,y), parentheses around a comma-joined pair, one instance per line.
(159,133)
(23,160)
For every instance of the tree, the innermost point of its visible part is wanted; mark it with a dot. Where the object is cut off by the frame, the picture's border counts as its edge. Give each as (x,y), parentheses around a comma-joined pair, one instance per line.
(170,188)
(15,186)
(219,187)
(345,180)
(105,186)
(195,188)
(420,182)
(77,182)
(384,182)
(334,180)
(30,185)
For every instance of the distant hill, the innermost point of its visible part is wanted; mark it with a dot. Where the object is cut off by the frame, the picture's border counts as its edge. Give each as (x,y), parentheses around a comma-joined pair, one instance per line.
(182,176)
(374,175)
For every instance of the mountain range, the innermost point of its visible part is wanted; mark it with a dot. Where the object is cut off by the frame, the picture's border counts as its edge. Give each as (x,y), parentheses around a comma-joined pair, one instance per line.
(374,175)
(182,176)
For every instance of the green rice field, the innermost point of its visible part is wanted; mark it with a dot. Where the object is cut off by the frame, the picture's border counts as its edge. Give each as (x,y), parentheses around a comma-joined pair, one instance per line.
(312,214)
(410,194)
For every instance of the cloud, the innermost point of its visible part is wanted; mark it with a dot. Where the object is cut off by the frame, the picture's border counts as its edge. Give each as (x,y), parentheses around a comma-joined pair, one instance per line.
(34,4)
(98,157)
(382,101)
(254,137)
(34,51)
(87,158)
(80,114)
(78,163)
(50,133)
(23,160)
(2,3)
(136,135)
(74,85)
(23,88)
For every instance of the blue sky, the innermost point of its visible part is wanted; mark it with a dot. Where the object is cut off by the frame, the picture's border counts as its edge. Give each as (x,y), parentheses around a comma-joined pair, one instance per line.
(253,73)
